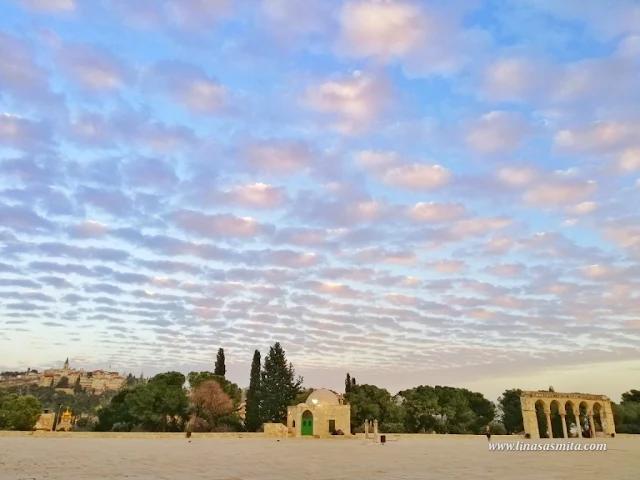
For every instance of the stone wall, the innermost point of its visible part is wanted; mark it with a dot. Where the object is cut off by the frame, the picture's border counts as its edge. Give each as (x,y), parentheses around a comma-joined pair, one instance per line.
(275,430)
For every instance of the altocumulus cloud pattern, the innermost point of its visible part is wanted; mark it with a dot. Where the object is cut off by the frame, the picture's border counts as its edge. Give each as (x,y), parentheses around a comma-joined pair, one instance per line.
(412,190)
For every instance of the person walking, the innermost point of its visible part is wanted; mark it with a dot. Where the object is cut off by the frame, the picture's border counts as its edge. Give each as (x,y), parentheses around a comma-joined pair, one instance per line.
(487,432)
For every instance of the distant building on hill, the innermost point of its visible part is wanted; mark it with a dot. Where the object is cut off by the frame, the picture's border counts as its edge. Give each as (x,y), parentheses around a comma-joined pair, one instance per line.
(97,381)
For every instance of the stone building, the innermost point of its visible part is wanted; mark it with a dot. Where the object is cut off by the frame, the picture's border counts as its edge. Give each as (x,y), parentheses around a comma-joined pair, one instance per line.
(97,381)
(321,415)
(582,415)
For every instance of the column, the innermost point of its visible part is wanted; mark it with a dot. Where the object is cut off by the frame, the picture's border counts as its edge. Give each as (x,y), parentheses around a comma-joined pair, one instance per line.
(592,425)
(563,415)
(547,413)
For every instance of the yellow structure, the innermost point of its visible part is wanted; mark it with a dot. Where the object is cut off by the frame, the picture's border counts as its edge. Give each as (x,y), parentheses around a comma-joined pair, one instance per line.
(581,414)
(66,421)
(321,414)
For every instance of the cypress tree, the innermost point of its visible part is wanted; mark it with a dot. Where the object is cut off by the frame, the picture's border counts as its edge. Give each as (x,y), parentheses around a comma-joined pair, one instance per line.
(279,385)
(220,368)
(253,417)
(347,384)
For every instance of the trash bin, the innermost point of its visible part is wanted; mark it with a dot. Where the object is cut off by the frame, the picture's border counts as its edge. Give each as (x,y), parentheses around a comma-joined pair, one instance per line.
(383,438)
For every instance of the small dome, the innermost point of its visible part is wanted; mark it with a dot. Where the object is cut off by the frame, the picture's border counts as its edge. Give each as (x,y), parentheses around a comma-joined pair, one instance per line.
(322,397)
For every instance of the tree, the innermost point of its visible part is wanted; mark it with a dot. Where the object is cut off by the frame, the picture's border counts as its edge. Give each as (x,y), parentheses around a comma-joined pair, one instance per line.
(279,385)
(369,402)
(484,410)
(77,388)
(253,414)
(116,413)
(19,412)
(220,368)
(211,403)
(631,396)
(347,384)
(63,382)
(511,411)
(232,389)
(161,404)
(422,413)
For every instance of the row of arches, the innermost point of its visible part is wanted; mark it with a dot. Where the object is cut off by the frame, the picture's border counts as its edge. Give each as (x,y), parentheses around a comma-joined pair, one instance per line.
(570,420)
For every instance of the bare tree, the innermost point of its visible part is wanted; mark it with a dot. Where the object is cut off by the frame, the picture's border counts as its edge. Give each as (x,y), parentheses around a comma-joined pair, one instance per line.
(210,403)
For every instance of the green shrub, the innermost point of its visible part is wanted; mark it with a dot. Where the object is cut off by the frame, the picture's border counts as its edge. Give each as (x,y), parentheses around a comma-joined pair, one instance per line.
(395,427)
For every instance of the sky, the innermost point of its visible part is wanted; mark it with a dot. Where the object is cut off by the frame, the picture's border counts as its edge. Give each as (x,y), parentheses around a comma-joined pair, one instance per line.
(414,192)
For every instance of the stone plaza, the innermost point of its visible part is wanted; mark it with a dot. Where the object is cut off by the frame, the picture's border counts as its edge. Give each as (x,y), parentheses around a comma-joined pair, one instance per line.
(149,457)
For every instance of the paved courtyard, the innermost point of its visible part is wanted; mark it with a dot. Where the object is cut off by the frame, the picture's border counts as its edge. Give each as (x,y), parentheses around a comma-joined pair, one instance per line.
(269,459)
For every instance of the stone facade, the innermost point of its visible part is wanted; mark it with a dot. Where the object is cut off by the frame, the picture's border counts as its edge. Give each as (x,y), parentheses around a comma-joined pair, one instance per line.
(45,422)
(584,408)
(321,414)
(97,381)
(275,430)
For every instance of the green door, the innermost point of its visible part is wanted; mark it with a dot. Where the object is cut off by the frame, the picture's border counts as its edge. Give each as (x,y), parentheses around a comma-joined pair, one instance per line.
(307,423)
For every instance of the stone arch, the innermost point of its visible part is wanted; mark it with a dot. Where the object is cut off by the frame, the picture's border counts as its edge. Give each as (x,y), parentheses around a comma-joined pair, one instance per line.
(541,410)
(571,419)
(306,427)
(598,413)
(557,430)
(583,418)
(566,414)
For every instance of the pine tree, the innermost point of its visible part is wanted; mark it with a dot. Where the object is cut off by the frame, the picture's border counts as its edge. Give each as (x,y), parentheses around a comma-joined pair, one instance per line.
(220,368)
(253,417)
(347,384)
(279,385)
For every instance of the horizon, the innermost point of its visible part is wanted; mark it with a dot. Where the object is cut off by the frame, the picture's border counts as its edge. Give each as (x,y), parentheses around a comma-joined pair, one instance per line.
(415,192)
(233,368)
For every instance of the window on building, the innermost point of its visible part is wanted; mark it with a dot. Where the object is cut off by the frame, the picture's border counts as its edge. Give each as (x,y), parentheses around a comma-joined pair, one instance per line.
(294,424)
(332,426)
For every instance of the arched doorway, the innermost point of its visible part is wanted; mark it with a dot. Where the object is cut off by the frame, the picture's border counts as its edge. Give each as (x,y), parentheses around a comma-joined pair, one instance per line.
(307,423)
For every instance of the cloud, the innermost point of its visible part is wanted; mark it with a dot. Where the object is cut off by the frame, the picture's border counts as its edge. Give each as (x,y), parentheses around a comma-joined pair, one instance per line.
(424,40)
(630,160)
(218,225)
(417,176)
(354,102)
(256,195)
(190,87)
(88,229)
(278,156)
(517,176)
(448,266)
(22,219)
(583,208)
(601,137)
(93,68)
(436,212)
(560,191)
(497,132)
(395,171)
(20,132)
(50,6)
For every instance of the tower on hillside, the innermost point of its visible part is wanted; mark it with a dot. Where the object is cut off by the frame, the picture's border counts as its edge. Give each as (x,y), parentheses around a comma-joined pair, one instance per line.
(66,364)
